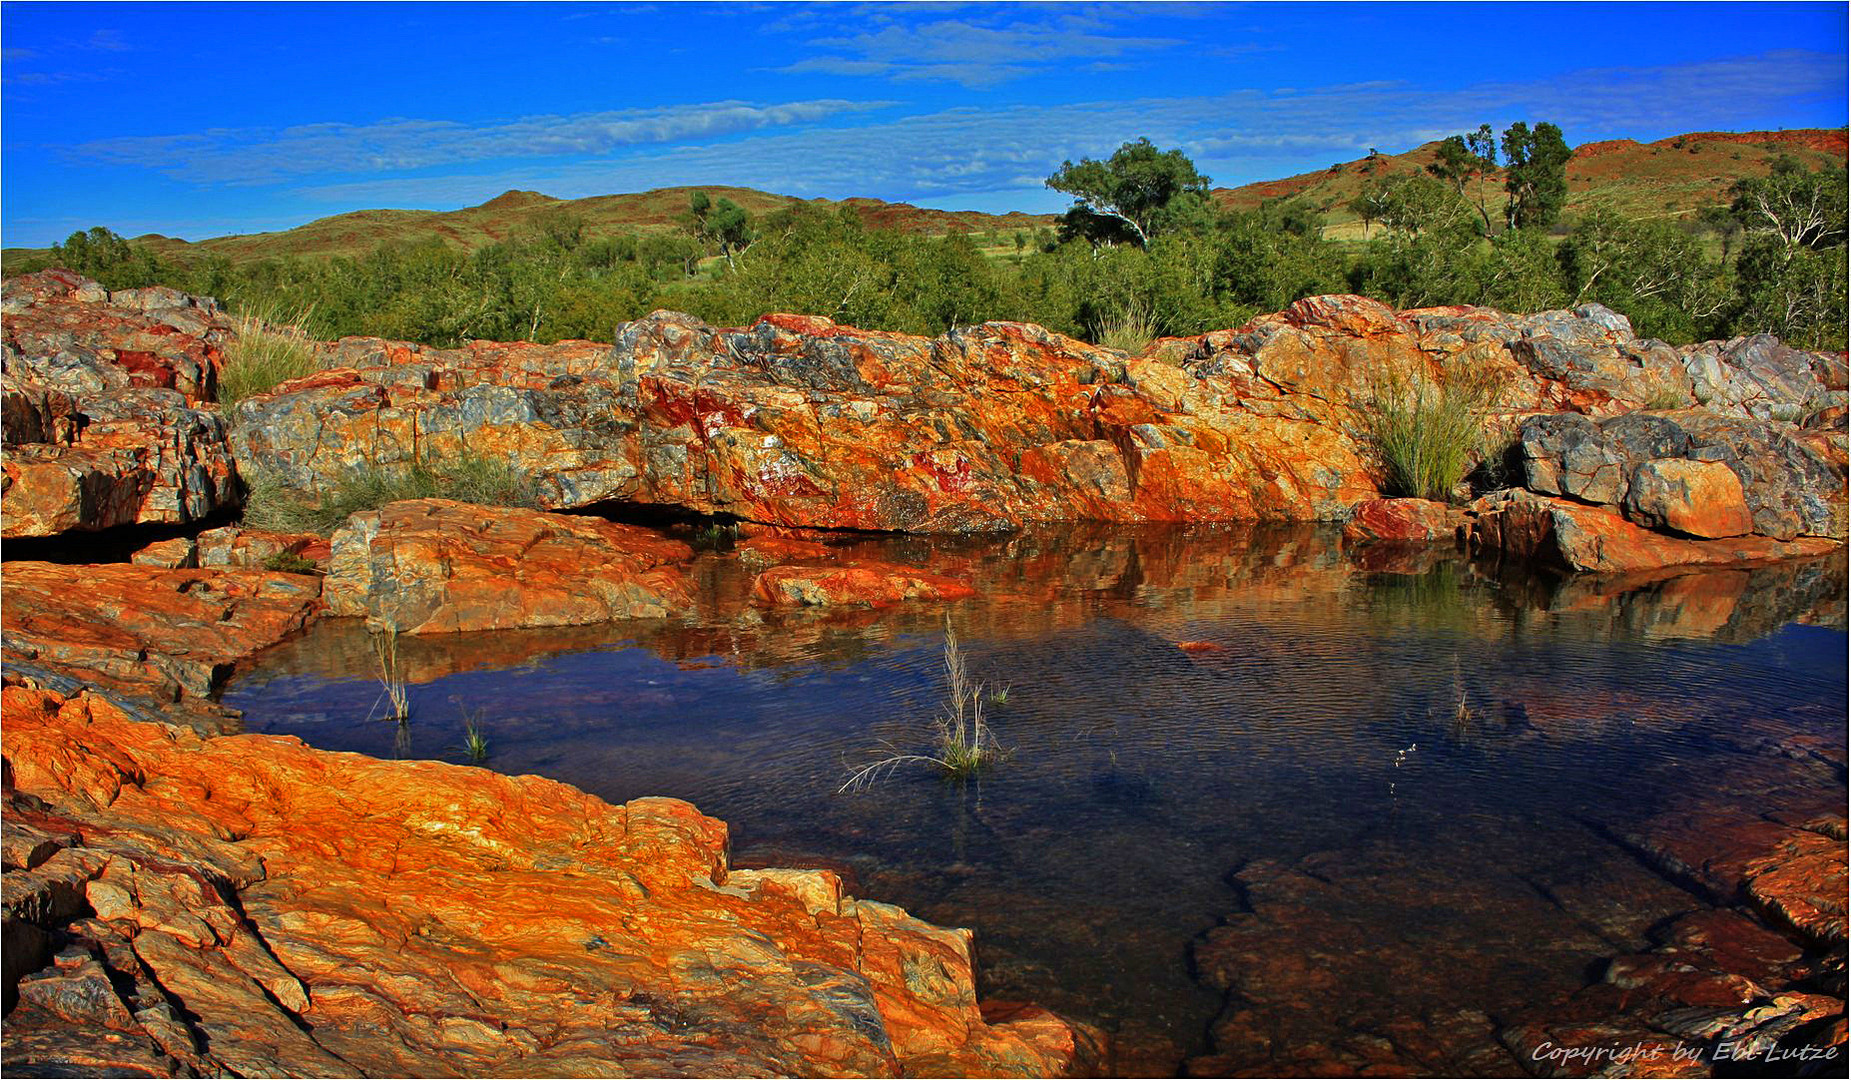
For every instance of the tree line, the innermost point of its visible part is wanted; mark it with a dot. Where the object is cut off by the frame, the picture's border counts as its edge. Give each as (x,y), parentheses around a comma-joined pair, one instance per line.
(1144,251)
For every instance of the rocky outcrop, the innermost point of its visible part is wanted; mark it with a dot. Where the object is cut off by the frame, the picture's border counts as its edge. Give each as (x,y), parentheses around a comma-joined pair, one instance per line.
(432,566)
(798,421)
(160,634)
(247,906)
(1402,521)
(100,395)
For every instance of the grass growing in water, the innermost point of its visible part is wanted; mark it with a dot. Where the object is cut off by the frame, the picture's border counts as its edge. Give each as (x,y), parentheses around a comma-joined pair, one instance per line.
(271,347)
(475,744)
(393,689)
(1426,432)
(965,745)
(468,478)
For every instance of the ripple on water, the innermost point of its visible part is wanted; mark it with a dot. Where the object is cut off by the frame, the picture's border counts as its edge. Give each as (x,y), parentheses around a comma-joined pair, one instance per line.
(1464,727)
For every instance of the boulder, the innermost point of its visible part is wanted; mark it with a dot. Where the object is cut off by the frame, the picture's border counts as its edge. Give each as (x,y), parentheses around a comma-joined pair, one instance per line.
(1697,498)
(103,416)
(177,554)
(432,566)
(245,905)
(257,549)
(130,457)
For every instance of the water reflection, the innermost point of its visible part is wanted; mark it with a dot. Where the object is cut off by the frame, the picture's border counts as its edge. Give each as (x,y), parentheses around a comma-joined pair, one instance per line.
(1406,706)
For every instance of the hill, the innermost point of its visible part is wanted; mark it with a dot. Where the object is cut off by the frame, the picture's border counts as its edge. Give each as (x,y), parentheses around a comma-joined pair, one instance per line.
(515,212)
(1674,177)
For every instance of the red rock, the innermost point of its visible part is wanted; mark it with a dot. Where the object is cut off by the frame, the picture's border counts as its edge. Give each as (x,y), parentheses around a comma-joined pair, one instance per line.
(273,909)
(256,549)
(432,566)
(862,583)
(162,633)
(1404,520)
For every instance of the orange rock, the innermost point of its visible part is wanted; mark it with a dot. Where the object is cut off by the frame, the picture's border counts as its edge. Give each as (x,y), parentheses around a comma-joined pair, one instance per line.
(157,632)
(235,545)
(771,550)
(1697,498)
(432,566)
(264,908)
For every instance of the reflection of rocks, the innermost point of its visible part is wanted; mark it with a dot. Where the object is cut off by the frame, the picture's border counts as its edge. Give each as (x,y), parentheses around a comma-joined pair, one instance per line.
(432,566)
(1718,604)
(854,584)
(245,905)
(165,635)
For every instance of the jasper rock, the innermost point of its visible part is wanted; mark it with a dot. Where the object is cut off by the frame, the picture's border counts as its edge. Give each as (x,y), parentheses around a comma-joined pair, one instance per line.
(1696,498)
(1576,536)
(860,583)
(270,909)
(1402,520)
(252,549)
(1759,377)
(432,566)
(1789,488)
(67,334)
(158,633)
(176,554)
(130,457)
(103,399)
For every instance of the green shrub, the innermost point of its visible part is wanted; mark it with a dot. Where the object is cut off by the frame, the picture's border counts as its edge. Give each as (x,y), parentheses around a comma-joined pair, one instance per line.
(468,478)
(1426,433)
(290,562)
(269,349)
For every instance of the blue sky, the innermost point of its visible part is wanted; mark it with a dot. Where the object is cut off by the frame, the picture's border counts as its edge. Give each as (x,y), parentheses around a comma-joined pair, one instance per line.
(200,120)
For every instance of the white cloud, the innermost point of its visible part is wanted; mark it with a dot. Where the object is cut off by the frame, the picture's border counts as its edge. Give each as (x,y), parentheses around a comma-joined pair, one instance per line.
(251,156)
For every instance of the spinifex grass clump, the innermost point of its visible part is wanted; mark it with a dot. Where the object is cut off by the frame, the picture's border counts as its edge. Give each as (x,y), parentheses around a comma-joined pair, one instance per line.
(1131,330)
(468,478)
(965,745)
(1427,432)
(271,347)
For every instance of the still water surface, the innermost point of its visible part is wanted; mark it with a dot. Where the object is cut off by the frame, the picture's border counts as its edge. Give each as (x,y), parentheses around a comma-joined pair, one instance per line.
(1464,745)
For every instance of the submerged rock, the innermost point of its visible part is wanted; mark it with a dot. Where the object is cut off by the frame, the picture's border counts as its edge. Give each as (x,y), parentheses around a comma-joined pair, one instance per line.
(247,906)
(432,566)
